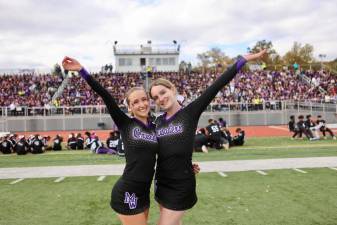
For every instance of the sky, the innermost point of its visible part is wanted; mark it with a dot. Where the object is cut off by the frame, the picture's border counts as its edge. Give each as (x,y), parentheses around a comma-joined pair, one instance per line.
(39,33)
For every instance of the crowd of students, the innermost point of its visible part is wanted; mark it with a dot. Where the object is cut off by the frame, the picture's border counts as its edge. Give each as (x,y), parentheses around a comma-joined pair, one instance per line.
(247,87)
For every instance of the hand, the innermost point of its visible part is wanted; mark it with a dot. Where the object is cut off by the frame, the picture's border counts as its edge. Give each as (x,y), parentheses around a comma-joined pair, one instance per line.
(71,64)
(196,168)
(254,56)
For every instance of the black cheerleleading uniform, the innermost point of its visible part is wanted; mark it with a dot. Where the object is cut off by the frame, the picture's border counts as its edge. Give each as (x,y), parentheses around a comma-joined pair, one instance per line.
(302,129)
(72,143)
(175,179)
(80,143)
(293,128)
(131,193)
(37,146)
(57,144)
(21,147)
(6,147)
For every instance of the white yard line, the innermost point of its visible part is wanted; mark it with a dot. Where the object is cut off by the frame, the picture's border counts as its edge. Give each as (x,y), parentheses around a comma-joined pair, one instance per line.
(261,172)
(300,171)
(17,181)
(58,180)
(222,174)
(101,178)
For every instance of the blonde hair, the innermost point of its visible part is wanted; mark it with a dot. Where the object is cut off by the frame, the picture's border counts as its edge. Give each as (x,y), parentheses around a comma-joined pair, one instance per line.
(163,82)
(130,91)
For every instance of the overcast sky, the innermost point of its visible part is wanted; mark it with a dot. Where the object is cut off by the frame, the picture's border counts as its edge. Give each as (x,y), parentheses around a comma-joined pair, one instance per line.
(38,33)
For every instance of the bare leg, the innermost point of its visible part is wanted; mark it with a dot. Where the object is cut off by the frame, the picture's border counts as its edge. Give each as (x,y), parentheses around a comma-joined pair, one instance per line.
(170,217)
(138,219)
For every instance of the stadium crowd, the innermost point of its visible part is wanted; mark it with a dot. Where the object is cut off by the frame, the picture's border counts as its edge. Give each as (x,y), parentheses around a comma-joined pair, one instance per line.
(247,87)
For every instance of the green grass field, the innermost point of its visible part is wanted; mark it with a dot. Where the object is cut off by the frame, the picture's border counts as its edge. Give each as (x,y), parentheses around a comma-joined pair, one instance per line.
(254,148)
(283,197)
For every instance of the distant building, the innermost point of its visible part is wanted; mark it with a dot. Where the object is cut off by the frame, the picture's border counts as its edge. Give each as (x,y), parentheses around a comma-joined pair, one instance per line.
(146,57)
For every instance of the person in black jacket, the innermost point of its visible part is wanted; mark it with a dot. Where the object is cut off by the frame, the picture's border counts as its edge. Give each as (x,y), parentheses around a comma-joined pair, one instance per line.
(80,142)
(57,143)
(239,138)
(21,146)
(37,145)
(72,142)
(6,146)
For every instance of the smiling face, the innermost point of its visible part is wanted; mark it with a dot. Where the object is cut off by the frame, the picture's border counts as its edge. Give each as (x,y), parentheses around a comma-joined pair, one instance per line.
(138,103)
(163,92)
(164,97)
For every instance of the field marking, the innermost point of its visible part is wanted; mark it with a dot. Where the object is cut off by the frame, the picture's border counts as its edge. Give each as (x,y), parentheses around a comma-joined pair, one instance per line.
(58,180)
(17,181)
(101,178)
(261,172)
(286,147)
(222,174)
(300,171)
(333,168)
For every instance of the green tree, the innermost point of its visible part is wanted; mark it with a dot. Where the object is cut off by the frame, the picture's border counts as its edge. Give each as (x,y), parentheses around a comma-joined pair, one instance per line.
(213,59)
(272,59)
(302,55)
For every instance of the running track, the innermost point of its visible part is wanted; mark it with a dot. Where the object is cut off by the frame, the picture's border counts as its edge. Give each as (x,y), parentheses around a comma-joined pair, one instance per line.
(214,166)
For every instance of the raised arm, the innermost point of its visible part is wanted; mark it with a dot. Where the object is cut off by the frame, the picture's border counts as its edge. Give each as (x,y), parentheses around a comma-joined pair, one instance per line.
(116,113)
(201,103)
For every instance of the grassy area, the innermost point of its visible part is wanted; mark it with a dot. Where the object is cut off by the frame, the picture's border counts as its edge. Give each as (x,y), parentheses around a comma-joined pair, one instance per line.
(283,197)
(254,148)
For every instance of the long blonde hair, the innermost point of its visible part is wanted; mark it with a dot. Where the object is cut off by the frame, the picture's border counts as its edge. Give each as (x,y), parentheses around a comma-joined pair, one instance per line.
(130,91)
(163,82)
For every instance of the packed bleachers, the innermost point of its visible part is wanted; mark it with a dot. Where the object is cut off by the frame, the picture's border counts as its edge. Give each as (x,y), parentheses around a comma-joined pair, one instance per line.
(250,87)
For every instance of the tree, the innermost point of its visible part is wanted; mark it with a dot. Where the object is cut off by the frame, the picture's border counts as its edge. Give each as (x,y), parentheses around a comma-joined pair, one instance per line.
(213,59)
(300,55)
(204,61)
(56,71)
(272,59)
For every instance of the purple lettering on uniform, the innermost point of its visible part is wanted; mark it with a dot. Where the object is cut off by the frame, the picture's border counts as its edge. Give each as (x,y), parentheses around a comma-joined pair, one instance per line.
(138,134)
(131,200)
(170,130)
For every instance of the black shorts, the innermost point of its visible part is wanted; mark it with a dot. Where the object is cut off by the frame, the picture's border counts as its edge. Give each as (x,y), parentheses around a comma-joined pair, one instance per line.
(130,197)
(176,194)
